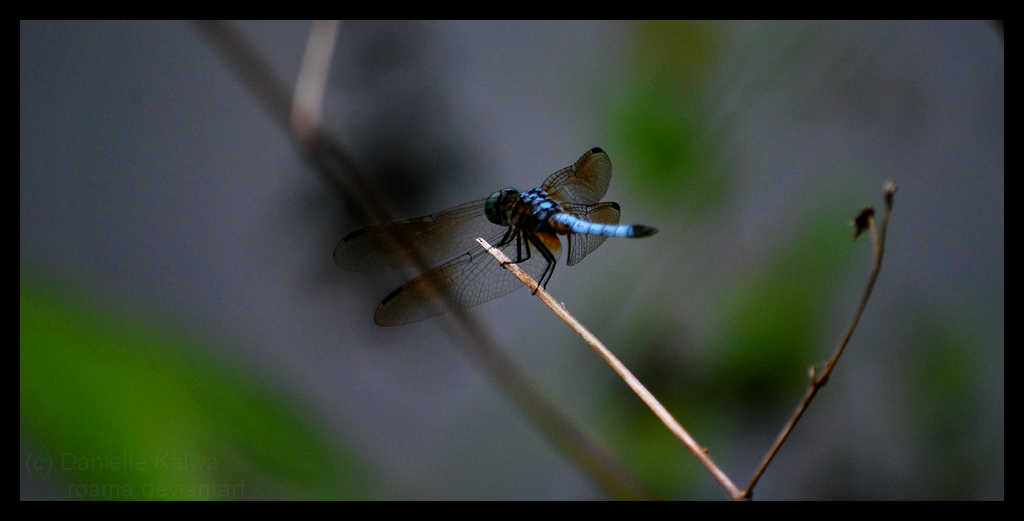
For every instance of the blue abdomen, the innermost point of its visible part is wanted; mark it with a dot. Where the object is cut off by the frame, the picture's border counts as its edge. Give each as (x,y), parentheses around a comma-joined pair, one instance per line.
(577,225)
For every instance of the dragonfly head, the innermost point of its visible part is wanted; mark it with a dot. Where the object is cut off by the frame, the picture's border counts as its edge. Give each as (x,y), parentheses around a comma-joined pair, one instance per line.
(496,205)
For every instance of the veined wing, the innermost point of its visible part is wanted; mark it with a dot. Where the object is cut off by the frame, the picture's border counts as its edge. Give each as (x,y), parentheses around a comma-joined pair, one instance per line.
(433,238)
(581,244)
(585,182)
(470,279)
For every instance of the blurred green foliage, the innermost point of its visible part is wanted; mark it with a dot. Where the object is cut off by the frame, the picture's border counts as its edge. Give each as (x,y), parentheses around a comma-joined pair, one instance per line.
(772,315)
(118,408)
(763,338)
(659,121)
(944,381)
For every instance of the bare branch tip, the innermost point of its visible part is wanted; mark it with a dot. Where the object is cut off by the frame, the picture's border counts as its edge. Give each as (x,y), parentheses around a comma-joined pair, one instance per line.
(890,188)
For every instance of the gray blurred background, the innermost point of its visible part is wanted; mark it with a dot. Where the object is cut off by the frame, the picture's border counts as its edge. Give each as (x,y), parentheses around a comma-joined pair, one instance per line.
(179,298)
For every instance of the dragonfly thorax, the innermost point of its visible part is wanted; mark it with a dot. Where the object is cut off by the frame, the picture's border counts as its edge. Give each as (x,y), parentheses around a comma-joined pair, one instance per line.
(529,211)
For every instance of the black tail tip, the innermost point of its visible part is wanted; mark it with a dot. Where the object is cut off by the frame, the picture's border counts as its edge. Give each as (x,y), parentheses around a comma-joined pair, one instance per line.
(641,230)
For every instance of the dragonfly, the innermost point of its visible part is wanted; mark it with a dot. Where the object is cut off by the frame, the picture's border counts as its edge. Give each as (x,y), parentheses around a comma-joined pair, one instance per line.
(523,225)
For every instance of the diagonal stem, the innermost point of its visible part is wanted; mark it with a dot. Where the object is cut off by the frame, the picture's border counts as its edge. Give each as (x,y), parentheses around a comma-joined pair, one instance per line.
(659,410)
(866,219)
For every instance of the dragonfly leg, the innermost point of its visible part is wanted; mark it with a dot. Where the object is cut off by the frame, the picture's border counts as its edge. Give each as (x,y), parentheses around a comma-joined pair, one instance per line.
(549,270)
(520,243)
(507,238)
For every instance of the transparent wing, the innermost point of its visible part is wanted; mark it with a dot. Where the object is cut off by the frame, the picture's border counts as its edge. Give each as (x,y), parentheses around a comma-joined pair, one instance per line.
(470,279)
(585,182)
(581,244)
(434,238)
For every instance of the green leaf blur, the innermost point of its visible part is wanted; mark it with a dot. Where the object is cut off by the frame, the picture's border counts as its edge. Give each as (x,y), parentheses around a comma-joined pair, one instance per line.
(660,119)
(766,329)
(116,408)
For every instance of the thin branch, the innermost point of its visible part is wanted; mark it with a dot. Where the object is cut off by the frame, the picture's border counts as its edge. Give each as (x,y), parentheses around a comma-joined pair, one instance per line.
(339,171)
(307,101)
(659,410)
(865,220)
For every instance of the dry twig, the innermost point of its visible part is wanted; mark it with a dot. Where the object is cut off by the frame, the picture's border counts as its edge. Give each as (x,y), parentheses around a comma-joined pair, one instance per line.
(659,410)
(864,220)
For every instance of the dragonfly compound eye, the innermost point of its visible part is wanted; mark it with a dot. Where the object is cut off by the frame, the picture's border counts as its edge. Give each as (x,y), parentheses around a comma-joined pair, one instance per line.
(496,205)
